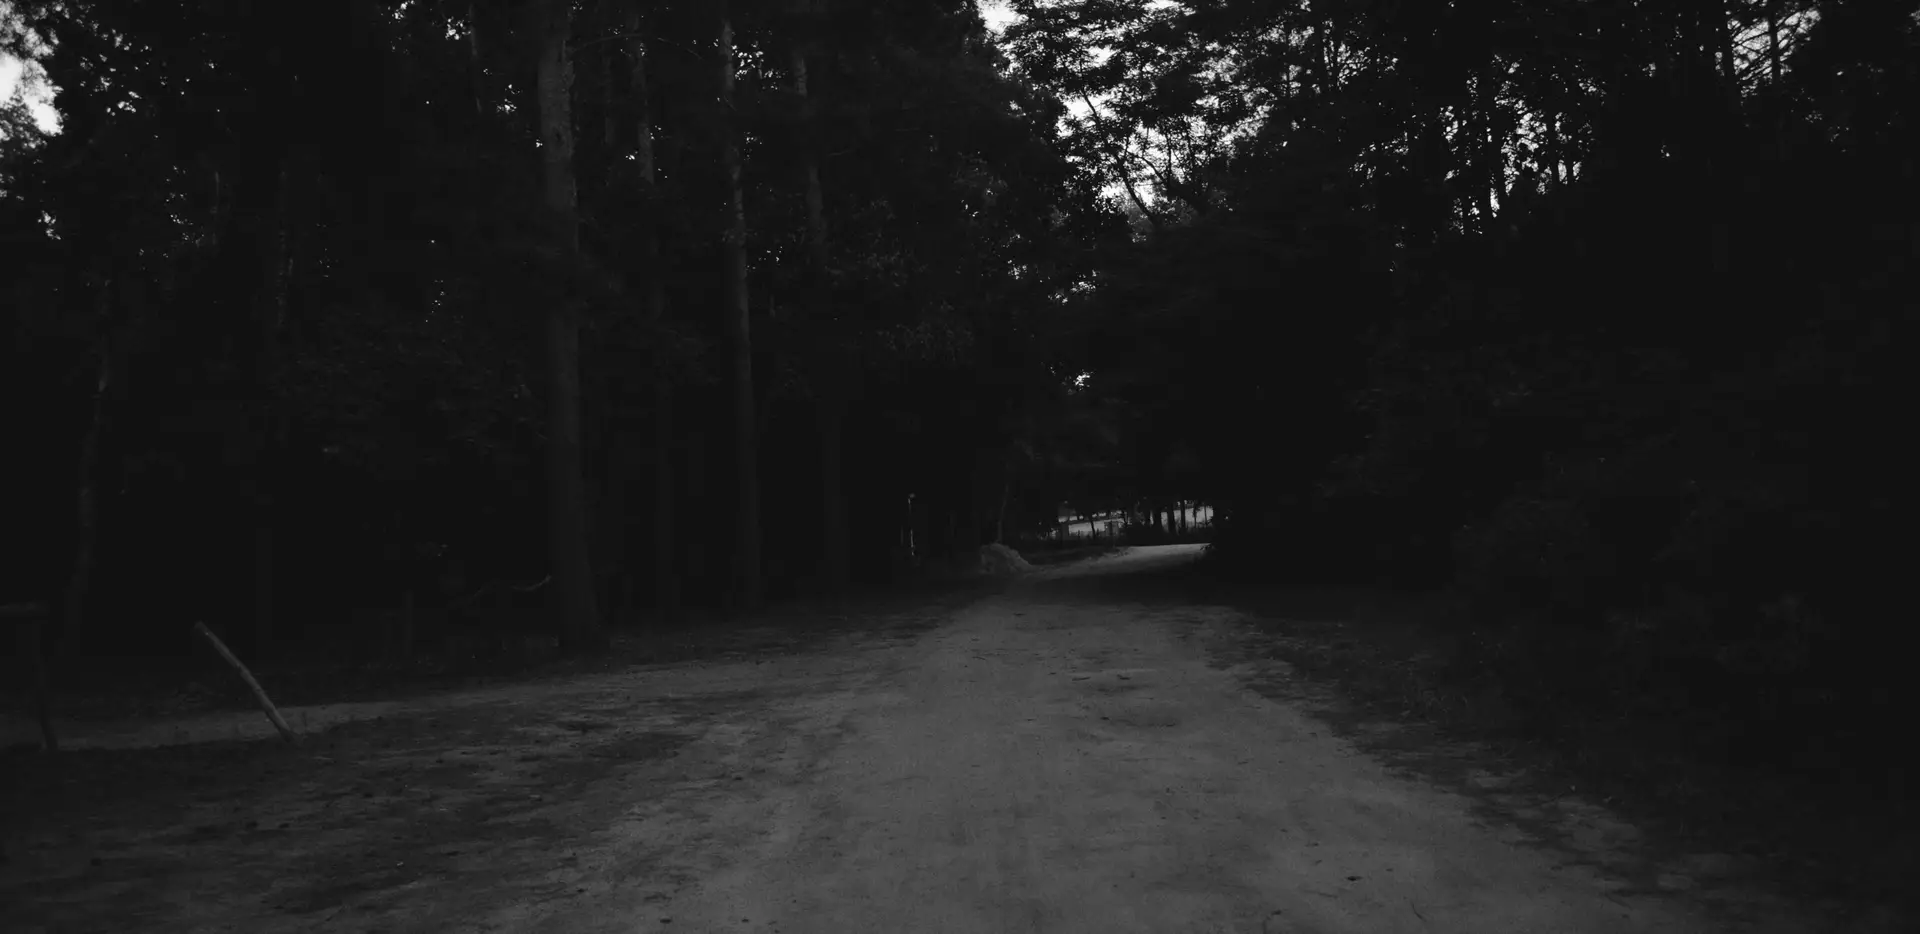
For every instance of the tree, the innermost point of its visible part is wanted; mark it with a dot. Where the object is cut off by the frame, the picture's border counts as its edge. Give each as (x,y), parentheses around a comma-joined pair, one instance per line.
(828,377)
(736,309)
(665,574)
(566,496)
(956,226)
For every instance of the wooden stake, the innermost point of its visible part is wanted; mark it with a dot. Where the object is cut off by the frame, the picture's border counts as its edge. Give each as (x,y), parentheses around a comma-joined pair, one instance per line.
(286,732)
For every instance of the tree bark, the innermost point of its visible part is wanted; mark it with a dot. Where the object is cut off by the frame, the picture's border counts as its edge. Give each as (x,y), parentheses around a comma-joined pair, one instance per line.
(73,615)
(746,584)
(1486,150)
(1553,152)
(829,395)
(809,151)
(580,629)
(608,530)
(699,541)
(265,225)
(1773,42)
(1323,59)
(1723,40)
(476,67)
(1000,516)
(1120,167)
(835,540)
(666,579)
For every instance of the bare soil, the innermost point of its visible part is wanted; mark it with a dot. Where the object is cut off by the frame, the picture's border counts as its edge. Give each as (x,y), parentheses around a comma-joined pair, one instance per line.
(1061,754)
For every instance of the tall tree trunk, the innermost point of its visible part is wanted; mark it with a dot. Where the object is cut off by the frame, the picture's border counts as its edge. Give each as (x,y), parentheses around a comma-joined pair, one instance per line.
(829,391)
(834,540)
(666,579)
(607,525)
(1323,60)
(580,628)
(1486,152)
(1006,496)
(809,151)
(272,315)
(1723,39)
(1122,166)
(476,67)
(86,528)
(252,245)
(699,540)
(610,105)
(1773,42)
(734,246)
(1553,153)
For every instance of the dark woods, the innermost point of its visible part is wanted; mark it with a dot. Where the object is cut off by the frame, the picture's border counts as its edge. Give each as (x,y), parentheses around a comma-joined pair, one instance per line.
(359,302)
(1589,312)
(1592,313)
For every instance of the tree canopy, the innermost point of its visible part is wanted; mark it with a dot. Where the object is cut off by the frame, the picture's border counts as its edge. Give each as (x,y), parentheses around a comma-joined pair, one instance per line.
(1585,309)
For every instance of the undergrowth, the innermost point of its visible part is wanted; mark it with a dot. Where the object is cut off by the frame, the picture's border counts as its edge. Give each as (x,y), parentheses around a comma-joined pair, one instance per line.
(1808,784)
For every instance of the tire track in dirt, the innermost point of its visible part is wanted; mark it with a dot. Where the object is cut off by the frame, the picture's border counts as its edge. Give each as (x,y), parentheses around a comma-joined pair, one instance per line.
(1060,761)
(1063,756)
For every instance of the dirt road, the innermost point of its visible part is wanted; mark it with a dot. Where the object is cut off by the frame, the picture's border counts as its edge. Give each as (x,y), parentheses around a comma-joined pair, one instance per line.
(1054,758)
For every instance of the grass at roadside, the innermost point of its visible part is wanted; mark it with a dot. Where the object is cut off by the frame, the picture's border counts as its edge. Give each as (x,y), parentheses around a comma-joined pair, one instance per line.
(404,816)
(399,818)
(112,689)
(1403,677)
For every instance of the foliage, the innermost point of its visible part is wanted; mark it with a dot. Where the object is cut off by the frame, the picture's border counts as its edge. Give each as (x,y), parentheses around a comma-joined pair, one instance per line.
(391,394)
(1578,309)
(1589,312)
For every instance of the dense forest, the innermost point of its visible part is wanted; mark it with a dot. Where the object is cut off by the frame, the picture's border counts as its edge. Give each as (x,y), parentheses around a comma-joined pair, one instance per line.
(1587,311)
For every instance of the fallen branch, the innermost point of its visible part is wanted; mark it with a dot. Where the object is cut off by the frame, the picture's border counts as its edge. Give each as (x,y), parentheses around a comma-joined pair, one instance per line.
(286,732)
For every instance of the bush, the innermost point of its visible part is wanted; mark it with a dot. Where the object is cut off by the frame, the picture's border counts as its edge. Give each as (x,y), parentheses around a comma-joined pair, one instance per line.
(1533,552)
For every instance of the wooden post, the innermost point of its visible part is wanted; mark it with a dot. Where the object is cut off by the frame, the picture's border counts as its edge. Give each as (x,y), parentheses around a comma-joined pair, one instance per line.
(32,618)
(286,732)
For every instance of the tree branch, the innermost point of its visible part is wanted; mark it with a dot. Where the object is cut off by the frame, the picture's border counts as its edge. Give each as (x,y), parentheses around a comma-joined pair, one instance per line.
(1126,179)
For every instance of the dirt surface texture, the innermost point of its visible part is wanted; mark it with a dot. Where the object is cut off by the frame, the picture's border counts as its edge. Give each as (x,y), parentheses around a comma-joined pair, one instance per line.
(1058,756)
